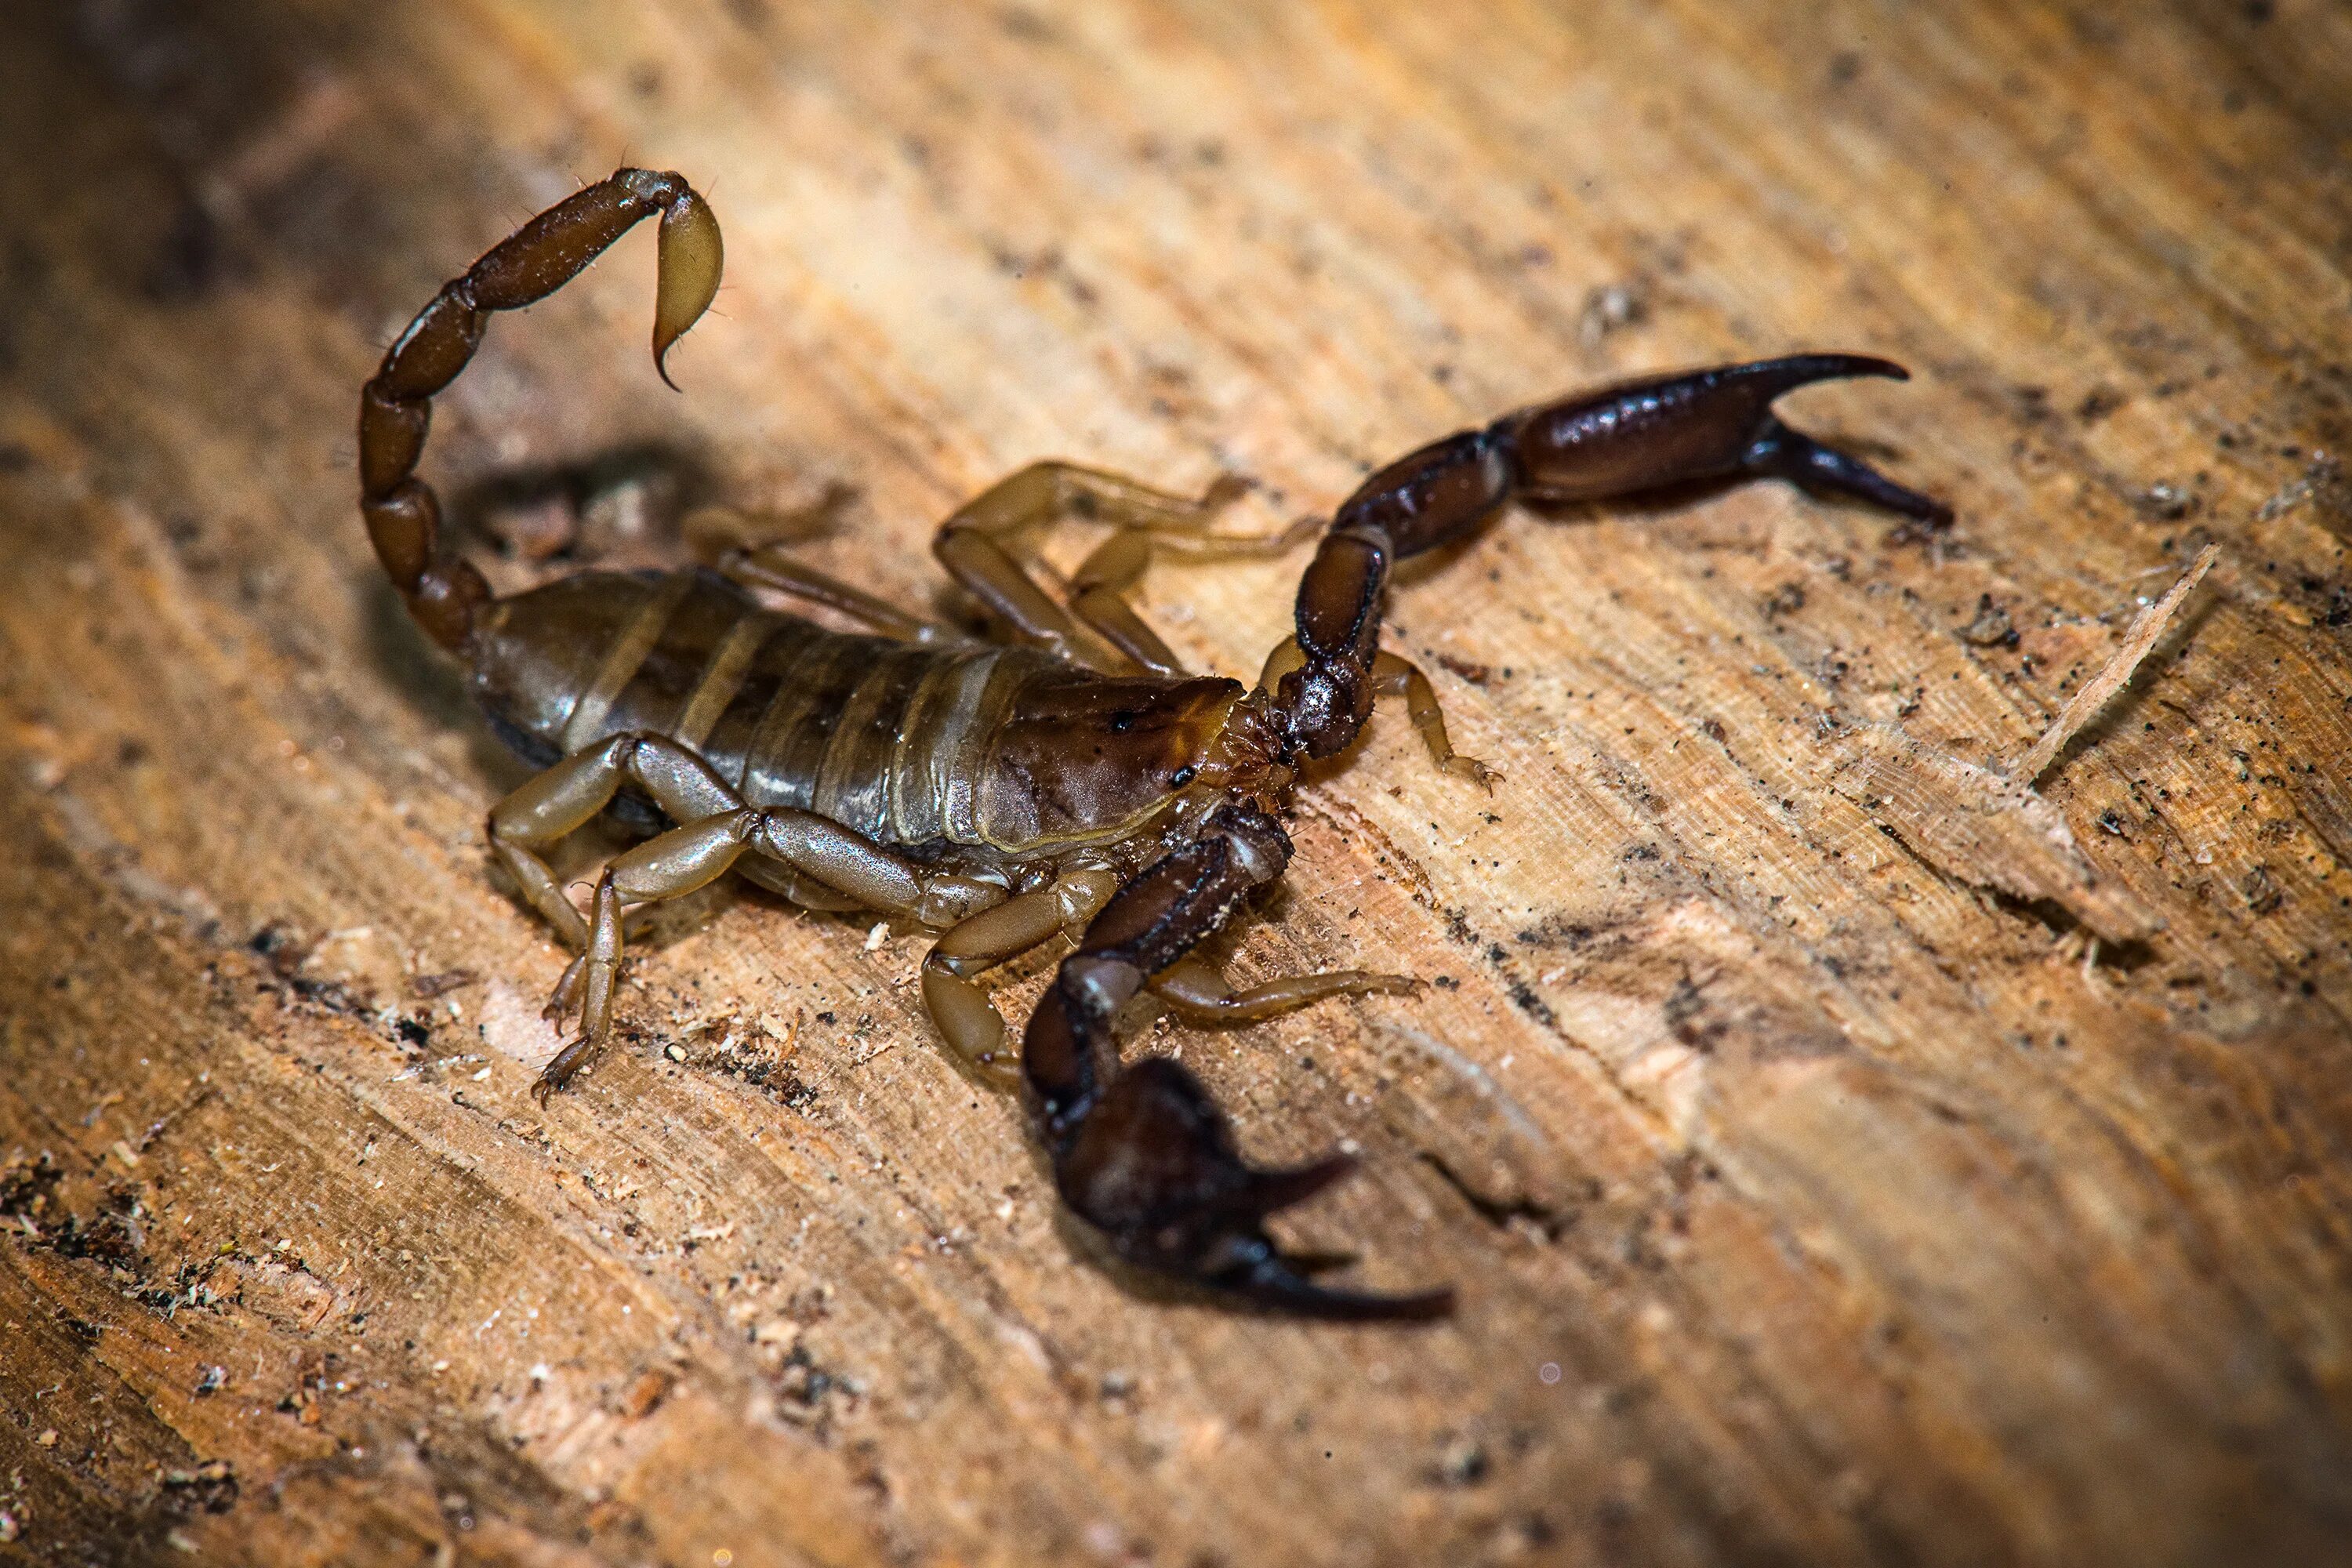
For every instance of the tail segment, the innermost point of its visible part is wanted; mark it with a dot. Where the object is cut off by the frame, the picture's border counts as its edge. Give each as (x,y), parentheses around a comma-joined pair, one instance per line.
(403,518)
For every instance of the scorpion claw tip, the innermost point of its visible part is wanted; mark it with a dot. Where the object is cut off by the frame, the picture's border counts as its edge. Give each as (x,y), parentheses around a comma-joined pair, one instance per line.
(1269,1192)
(1281,1284)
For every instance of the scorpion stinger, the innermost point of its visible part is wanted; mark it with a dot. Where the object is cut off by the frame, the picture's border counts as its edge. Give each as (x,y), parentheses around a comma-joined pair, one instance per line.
(403,517)
(1064,774)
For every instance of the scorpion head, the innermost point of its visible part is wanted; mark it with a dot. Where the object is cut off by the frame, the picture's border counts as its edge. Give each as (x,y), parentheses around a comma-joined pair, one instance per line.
(1083,757)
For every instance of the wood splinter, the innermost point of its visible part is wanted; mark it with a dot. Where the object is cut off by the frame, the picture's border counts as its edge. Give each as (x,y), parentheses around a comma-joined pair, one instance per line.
(1986,828)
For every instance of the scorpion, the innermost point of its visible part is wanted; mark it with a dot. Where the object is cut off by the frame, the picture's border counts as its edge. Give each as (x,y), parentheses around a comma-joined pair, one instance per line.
(1064,775)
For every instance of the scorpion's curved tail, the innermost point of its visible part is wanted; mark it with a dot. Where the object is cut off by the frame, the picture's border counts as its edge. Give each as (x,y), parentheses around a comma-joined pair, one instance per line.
(403,518)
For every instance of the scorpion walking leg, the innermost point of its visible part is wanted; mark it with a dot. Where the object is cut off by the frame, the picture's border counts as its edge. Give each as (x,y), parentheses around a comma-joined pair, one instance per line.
(1143,1156)
(1197,992)
(804,891)
(593,977)
(1394,676)
(1098,587)
(719,828)
(671,864)
(976,546)
(772,567)
(952,995)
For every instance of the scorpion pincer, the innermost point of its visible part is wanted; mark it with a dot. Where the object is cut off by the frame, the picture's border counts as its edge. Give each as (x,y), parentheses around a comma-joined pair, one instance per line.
(1065,776)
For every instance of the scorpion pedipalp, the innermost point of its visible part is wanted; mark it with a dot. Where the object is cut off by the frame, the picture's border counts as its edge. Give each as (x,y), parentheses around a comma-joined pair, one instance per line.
(689,258)
(1143,1154)
(1637,436)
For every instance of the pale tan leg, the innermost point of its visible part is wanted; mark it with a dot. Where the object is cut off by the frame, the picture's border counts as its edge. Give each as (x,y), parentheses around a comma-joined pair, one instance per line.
(1197,992)
(804,891)
(959,1006)
(772,567)
(1394,676)
(568,796)
(978,545)
(673,864)
(598,969)
(1098,603)
(718,828)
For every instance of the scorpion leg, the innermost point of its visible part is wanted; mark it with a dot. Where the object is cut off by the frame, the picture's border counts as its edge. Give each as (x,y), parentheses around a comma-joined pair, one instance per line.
(1143,1156)
(671,864)
(719,828)
(952,994)
(977,545)
(1098,587)
(804,892)
(564,798)
(1196,992)
(772,567)
(1394,676)
(568,796)
(594,976)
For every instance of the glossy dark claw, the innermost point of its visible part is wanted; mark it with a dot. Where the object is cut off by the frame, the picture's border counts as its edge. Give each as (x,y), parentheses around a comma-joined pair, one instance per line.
(1153,1168)
(1280,1283)
(1618,440)
(1804,462)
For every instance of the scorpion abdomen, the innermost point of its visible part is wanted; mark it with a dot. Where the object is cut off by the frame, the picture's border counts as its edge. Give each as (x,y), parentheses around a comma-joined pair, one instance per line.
(995,751)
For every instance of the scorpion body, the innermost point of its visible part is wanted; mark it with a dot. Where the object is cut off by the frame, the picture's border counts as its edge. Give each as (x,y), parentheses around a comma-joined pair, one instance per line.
(960,752)
(1065,777)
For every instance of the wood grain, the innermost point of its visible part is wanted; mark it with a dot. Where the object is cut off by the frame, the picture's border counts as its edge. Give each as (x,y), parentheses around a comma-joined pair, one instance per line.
(1808,1204)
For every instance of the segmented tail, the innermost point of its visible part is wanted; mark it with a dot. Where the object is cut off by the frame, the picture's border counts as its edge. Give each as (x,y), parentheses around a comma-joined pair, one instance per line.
(404,516)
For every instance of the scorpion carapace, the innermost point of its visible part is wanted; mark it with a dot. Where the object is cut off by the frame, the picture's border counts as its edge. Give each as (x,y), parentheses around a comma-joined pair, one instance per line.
(1064,775)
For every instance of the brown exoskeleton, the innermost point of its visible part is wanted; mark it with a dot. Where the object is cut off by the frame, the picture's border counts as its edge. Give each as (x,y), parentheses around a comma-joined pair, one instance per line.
(999,792)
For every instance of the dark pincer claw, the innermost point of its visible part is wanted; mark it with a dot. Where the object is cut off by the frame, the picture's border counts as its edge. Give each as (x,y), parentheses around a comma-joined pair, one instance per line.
(1153,1167)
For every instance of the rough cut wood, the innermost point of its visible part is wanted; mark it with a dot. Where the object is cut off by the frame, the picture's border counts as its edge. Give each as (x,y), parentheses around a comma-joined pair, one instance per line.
(1810,1201)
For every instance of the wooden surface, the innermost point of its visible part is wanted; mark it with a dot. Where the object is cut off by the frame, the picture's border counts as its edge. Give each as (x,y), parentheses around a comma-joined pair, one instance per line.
(1811,1200)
